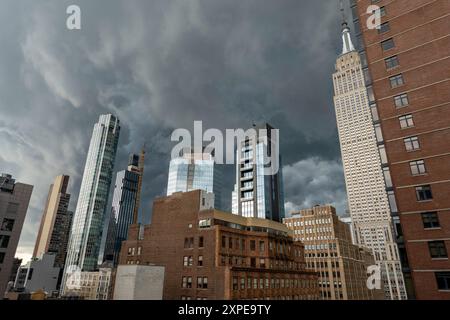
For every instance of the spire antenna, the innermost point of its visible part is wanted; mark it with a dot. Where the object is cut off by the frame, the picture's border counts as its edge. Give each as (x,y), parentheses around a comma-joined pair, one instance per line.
(346,38)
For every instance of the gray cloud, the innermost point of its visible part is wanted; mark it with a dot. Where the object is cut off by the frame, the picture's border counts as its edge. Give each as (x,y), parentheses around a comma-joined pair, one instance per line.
(160,65)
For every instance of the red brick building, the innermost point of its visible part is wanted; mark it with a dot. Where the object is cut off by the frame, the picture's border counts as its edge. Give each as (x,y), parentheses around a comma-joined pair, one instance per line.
(408,73)
(209,254)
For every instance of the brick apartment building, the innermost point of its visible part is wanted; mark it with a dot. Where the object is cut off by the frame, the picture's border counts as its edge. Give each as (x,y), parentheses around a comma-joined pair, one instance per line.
(210,254)
(341,265)
(407,64)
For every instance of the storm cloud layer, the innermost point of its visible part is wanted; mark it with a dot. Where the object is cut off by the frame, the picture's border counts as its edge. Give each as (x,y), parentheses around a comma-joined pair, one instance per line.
(159,65)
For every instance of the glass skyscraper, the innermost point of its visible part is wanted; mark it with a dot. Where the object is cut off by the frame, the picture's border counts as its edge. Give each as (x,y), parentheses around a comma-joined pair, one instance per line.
(88,221)
(193,171)
(122,210)
(256,193)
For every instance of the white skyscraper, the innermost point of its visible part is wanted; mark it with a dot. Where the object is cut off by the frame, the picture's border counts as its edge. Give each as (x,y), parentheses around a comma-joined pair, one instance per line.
(366,190)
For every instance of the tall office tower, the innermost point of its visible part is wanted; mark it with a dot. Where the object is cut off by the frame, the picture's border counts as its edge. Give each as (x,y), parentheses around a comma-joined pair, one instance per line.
(86,233)
(366,190)
(56,221)
(14,200)
(123,208)
(193,171)
(258,194)
(329,251)
(408,60)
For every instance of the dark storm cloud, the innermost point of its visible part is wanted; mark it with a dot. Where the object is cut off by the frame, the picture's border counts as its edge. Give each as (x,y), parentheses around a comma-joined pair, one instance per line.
(160,65)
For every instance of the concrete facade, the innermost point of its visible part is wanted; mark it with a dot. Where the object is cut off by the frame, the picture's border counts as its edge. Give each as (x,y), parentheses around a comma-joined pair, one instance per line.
(14,200)
(38,274)
(139,282)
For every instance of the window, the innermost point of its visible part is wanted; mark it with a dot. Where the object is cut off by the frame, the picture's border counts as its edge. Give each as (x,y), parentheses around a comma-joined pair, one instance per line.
(185,261)
(186,282)
(7,224)
(242,283)
(242,246)
(188,243)
(443,280)
(2,257)
(139,250)
(130,251)
(406,121)
(374,111)
(252,245)
(387,177)
(388,44)
(423,193)
(396,81)
(384,27)
(200,261)
(378,132)
(261,246)
(391,62)
(200,242)
(224,241)
(383,155)
(202,282)
(204,223)
(370,94)
(262,263)
(437,249)
(230,243)
(383,11)
(412,143)
(430,220)
(235,283)
(417,167)
(401,100)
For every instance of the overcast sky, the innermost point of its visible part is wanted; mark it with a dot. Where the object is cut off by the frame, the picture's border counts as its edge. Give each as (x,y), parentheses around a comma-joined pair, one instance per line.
(160,65)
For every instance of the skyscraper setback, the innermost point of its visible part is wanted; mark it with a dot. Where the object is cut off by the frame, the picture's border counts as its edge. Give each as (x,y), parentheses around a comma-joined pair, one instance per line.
(56,221)
(257,194)
(366,191)
(86,233)
(407,63)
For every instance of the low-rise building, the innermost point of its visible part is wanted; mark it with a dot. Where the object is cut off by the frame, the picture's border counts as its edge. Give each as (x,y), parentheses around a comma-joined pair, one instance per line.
(38,274)
(210,254)
(341,265)
(89,285)
(139,282)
